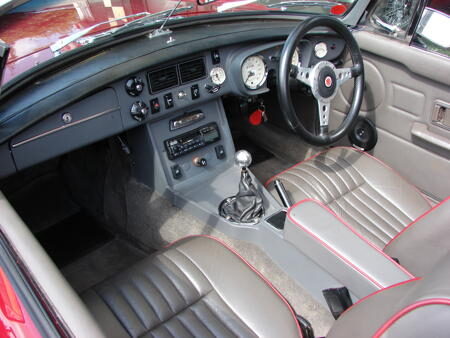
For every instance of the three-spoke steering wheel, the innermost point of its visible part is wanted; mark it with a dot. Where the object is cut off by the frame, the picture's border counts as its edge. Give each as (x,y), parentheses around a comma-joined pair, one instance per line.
(324,79)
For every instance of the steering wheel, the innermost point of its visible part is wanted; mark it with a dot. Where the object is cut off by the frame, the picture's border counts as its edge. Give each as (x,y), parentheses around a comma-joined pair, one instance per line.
(324,79)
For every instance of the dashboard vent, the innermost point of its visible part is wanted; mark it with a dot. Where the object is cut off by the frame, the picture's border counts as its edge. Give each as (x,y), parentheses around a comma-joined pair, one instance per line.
(163,79)
(192,70)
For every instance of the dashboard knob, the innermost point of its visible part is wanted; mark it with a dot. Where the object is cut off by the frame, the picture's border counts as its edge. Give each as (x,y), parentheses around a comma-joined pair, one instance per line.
(134,86)
(139,111)
(199,162)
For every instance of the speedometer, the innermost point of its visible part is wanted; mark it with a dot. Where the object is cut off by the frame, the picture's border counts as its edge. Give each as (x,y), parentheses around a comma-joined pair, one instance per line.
(254,72)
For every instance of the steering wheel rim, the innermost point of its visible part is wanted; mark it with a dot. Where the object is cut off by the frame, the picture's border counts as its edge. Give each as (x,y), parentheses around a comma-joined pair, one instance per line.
(324,80)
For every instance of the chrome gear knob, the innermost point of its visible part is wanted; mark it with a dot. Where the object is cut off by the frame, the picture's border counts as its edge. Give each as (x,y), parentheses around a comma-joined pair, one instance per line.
(243,159)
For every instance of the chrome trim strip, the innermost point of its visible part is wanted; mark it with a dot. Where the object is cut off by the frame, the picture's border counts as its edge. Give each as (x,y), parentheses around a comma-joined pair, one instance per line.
(64,127)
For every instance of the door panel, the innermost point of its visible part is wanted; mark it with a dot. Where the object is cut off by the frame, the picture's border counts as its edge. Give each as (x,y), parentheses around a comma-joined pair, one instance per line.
(403,86)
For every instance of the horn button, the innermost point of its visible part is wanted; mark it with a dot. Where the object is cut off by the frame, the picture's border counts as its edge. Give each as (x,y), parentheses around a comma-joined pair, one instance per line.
(326,82)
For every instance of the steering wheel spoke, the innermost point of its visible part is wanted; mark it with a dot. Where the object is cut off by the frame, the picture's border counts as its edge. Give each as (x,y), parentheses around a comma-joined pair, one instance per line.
(304,75)
(323,109)
(343,75)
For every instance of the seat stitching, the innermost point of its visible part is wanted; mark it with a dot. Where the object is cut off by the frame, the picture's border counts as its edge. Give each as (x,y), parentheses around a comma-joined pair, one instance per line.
(376,226)
(351,217)
(132,307)
(338,174)
(201,321)
(223,300)
(317,179)
(376,214)
(392,205)
(182,272)
(152,283)
(175,314)
(171,282)
(376,190)
(146,298)
(178,318)
(112,311)
(390,213)
(322,172)
(218,319)
(166,329)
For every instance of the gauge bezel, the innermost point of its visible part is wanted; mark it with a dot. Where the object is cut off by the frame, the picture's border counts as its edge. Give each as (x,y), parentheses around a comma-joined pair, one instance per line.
(211,77)
(263,80)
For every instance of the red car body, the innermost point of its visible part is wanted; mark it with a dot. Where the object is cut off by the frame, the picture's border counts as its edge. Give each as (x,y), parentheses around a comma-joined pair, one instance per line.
(31,28)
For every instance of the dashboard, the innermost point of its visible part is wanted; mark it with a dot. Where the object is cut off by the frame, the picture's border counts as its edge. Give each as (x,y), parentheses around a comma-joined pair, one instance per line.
(179,98)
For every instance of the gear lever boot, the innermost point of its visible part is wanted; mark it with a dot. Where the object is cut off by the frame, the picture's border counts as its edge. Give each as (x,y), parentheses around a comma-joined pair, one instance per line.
(246,207)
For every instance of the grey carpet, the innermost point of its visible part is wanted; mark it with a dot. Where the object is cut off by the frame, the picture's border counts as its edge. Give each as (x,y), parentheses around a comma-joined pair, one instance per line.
(155,222)
(100,264)
(269,168)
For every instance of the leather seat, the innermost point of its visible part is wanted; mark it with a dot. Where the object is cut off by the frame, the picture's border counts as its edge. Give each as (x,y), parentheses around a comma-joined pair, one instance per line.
(196,287)
(363,191)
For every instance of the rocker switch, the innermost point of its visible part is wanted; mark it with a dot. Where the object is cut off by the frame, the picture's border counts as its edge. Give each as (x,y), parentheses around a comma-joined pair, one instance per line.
(168,100)
(220,152)
(176,172)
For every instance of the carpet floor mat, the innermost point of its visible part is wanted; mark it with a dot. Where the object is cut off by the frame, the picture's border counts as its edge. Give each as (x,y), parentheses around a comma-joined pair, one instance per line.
(111,258)
(72,238)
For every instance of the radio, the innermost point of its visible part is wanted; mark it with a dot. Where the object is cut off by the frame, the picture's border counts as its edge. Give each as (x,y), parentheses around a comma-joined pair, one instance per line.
(191,141)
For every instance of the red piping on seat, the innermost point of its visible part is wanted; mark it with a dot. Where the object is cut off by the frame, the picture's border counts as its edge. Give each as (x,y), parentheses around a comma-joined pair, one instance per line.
(406,310)
(360,151)
(381,290)
(416,220)
(352,230)
(253,269)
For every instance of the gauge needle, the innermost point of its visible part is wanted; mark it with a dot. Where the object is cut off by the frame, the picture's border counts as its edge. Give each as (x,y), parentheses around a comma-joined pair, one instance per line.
(250,74)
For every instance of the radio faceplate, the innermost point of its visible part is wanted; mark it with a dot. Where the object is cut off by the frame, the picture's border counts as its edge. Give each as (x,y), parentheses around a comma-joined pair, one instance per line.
(192,140)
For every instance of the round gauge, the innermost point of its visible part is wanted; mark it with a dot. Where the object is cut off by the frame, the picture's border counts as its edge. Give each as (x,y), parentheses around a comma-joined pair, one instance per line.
(320,50)
(295,61)
(218,75)
(254,72)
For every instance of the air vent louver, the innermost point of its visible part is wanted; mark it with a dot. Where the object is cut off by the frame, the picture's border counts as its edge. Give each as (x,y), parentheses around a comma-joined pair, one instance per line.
(192,70)
(163,79)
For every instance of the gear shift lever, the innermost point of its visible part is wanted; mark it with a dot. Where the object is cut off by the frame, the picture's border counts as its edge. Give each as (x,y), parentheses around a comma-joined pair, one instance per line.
(246,207)
(243,159)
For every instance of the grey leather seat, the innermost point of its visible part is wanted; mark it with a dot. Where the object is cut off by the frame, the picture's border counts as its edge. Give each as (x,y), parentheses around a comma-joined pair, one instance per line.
(364,192)
(199,288)
(196,287)
(418,307)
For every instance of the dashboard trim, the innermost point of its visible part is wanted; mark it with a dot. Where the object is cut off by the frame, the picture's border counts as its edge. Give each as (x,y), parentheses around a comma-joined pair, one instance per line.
(51,131)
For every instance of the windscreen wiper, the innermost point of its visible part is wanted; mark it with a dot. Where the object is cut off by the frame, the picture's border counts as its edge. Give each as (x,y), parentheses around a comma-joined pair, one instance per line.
(150,18)
(303,3)
(146,18)
(60,44)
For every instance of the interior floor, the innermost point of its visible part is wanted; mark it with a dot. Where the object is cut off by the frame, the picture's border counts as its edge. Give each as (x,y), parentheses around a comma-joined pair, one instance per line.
(96,266)
(76,195)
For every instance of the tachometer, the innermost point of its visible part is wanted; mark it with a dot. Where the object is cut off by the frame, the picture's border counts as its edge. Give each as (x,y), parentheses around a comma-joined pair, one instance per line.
(254,72)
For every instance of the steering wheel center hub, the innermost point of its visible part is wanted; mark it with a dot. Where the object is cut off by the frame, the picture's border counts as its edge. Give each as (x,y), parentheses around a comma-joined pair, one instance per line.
(324,84)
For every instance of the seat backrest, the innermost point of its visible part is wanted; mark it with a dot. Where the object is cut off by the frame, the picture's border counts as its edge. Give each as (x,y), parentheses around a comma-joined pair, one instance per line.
(424,242)
(419,307)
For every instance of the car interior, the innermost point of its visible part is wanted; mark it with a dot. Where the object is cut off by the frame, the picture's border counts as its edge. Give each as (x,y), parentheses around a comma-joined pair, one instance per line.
(270,179)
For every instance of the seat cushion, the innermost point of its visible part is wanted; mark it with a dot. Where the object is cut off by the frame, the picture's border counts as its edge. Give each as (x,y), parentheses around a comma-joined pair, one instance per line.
(367,194)
(195,288)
